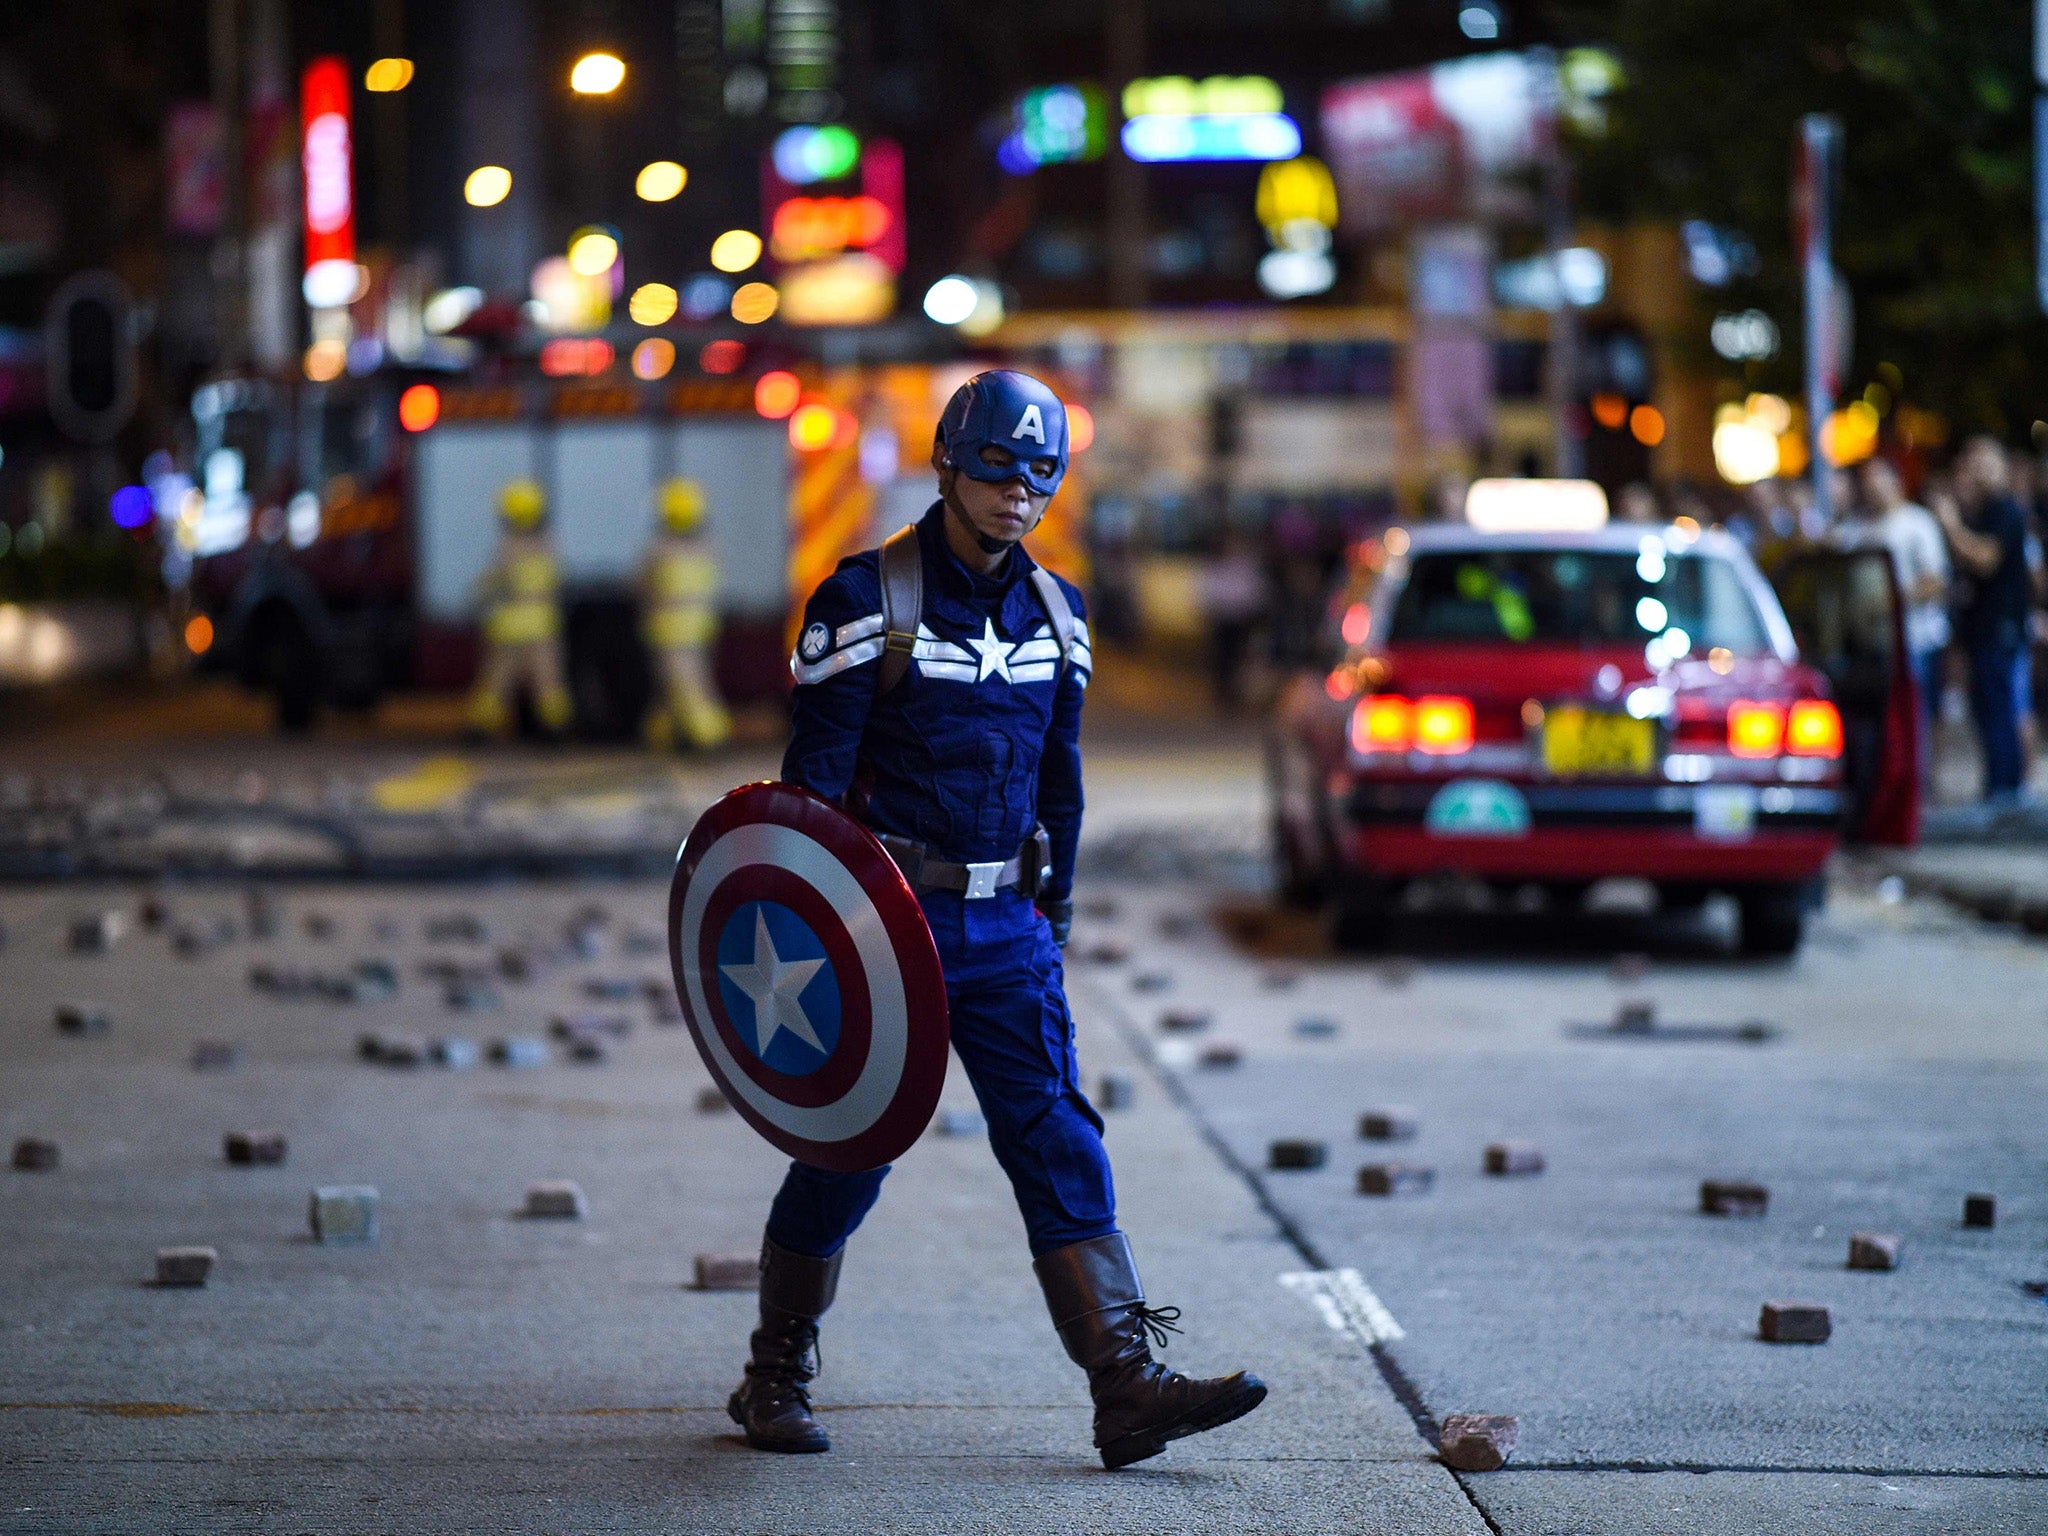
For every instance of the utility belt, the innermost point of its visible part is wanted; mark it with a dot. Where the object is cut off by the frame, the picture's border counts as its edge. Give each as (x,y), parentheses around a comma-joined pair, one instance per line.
(1028,872)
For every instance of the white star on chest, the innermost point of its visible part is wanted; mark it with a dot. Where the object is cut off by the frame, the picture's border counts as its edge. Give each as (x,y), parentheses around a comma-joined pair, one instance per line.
(994,653)
(774,986)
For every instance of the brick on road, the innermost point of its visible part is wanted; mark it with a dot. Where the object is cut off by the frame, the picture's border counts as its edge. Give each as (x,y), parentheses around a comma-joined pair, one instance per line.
(520,1051)
(1395,1179)
(1477,1442)
(250,1149)
(344,1213)
(33,1154)
(454,1052)
(609,989)
(961,1122)
(1793,1322)
(216,1056)
(556,1198)
(96,933)
(1873,1250)
(1115,1091)
(1504,1158)
(1980,1211)
(728,1272)
(1636,1017)
(184,1266)
(81,1019)
(712,1101)
(1293,1153)
(1220,1055)
(1186,1021)
(1733,1197)
(1151,981)
(1315,1027)
(1391,1122)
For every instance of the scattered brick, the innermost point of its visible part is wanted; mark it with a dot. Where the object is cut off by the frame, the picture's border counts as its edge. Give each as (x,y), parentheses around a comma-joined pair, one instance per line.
(1106,952)
(260,912)
(1873,1250)
(961,1122)
(609,989)
(1221,1054)
(390,1050)
(1793,1322)
(1115,1091)
(456,928)
(665,1009)
(374,979)
(520,1051)
(1180,925)
(583,943)
(1397,972)
(1513,1157)
(1477,1442)
(467,996)
(250,1149)
(556,1198)
(318,926)
(642,941)
(712,1101)
(344,1213)
(216,1056)
(1980,1211)
(588,1050)
(1151,981)
(1101,907)
(184,1266)
(1391,1122)
(96,933)
(1293,1153)
(1733,1197)
(32,1154)
(1635,1017)
(1186,1021)
(154,913)
(81,1019)
(1280,977)
(516,964)
(454,1052)
(728,1272)
(1315,1027)
(1395,1179)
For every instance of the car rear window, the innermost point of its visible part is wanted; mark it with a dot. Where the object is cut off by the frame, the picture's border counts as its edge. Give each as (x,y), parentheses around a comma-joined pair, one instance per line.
(1577,597)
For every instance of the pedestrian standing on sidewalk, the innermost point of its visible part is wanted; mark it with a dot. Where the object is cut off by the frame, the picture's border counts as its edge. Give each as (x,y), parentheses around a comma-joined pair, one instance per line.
(1987,534)
(1909,532)
(938,696)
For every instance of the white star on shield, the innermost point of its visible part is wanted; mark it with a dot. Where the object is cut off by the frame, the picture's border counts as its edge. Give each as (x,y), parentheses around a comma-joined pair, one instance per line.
(995,654)
(774,986)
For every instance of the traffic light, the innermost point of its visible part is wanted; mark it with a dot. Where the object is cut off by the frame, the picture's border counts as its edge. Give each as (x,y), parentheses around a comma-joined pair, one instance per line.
(89,346)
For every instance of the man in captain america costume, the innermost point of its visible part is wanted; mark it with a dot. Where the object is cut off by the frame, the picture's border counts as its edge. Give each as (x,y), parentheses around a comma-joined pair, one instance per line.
(954,734)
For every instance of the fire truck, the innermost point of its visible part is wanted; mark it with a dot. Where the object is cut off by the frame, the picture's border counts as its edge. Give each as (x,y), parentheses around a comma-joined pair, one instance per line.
(337,530)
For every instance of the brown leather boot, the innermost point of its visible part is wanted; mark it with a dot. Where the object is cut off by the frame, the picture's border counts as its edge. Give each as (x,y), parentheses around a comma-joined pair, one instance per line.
(773,1402)
(1099,1308)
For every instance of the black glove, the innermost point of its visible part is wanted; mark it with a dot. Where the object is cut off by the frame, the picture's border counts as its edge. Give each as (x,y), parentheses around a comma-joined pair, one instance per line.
(1061,915)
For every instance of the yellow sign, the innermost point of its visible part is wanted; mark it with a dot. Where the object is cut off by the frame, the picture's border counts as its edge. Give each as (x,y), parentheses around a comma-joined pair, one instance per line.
(1591,741)
(1178,96)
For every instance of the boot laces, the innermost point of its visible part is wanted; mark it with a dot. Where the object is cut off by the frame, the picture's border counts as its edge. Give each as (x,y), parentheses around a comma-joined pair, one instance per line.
(1157,1322)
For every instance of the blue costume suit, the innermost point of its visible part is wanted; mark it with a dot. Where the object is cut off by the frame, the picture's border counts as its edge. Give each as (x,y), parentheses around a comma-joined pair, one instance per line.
(974,748)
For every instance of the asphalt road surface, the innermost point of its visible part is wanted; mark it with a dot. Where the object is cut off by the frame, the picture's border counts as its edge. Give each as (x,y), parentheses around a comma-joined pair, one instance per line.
(478,1370)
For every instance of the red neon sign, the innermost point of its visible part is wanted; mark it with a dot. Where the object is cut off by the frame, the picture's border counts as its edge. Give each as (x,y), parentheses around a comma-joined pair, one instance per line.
(327,158)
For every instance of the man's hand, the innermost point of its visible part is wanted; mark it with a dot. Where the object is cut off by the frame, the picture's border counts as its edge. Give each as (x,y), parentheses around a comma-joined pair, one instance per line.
(1061,915)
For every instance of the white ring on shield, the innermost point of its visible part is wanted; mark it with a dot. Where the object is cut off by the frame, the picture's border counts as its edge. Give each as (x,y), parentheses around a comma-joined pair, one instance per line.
(888,1037)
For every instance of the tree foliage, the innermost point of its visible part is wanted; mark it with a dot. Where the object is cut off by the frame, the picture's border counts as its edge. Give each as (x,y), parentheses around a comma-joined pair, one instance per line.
(1935,236)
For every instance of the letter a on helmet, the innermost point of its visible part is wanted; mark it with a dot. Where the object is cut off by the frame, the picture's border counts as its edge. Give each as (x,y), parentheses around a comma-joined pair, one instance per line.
(1016,413)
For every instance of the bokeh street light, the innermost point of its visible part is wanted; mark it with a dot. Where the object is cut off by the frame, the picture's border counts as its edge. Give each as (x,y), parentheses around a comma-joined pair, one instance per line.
(735,250)
(755,302)
(652,304)
(387,75)
(597,74)
(659,181)
(487,186)
(950,300)
(592,251)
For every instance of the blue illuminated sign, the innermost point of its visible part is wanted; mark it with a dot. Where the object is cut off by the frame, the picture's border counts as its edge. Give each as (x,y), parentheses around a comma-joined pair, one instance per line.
(1160,137)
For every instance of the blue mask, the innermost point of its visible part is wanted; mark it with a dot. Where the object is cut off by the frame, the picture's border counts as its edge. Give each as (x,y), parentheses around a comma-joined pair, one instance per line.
(1013,419)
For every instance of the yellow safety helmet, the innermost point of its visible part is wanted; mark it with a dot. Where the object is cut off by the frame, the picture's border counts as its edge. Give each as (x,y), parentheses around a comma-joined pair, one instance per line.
(521,502)
(682,504)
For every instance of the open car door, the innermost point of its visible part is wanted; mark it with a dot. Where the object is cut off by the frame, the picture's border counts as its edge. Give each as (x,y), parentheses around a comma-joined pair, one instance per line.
(1849,618)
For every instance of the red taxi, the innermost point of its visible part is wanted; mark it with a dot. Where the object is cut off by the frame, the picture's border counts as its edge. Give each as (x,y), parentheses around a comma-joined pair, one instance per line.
(1541,697)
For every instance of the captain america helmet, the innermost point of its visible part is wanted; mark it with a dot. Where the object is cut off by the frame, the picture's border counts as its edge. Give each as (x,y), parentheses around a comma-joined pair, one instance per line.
(1003,425)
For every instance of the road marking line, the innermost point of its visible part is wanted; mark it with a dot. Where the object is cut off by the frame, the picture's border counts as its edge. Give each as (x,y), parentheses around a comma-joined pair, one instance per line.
(1347,1304)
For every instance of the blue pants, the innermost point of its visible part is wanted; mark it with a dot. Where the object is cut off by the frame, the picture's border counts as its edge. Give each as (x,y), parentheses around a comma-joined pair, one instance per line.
(2001,677)
(1011,1028)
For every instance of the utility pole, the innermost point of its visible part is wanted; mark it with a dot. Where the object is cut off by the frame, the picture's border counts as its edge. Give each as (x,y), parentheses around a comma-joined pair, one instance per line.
(1817,171)
(1561,370)
(387,27)
(1124,54)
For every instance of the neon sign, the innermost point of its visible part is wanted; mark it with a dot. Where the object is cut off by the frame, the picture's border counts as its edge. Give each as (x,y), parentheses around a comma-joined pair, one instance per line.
(326,156)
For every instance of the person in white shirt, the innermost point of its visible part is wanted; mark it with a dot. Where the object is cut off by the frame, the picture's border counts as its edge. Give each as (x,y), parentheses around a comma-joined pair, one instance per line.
(1920,559)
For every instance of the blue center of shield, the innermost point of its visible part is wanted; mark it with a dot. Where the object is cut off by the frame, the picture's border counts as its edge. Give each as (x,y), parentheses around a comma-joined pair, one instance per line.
(778,987)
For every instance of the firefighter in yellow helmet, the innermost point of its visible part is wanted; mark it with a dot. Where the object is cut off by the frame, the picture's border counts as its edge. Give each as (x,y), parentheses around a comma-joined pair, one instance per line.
(678,581)
(522,620)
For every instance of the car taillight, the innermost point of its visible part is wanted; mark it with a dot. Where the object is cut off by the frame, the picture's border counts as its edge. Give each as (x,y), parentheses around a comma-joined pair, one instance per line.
(1443,725)
(1813,728)
(1383,722)
(1755,730)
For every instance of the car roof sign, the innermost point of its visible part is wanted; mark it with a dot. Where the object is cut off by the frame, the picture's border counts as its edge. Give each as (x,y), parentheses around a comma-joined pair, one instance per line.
(1535,506)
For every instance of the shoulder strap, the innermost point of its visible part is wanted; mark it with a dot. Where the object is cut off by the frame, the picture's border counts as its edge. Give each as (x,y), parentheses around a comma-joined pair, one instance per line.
(902,570)
(1058,612)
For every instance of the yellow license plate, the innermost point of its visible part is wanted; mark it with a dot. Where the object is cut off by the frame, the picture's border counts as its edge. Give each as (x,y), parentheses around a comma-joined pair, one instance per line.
(1590,741)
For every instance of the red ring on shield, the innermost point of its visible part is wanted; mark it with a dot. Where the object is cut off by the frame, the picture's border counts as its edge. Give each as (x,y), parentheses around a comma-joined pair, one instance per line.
(846,1116)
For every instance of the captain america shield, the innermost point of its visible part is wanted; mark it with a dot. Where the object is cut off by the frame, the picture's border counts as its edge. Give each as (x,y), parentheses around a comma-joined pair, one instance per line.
(808,977)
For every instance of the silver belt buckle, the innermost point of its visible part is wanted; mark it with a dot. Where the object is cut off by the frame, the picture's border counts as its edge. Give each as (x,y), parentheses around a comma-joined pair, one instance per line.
(982,878)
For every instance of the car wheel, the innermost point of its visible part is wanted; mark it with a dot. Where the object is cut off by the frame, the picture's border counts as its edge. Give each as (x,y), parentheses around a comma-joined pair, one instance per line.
(1302,881)
(1773,919)
(1359,913)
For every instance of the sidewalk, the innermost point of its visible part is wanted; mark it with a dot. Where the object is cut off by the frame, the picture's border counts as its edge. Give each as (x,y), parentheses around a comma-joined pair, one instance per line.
(477,1371)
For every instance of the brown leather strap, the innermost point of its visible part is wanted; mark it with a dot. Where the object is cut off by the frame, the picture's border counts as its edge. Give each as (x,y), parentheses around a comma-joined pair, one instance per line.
(1058,612)
(902,571)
